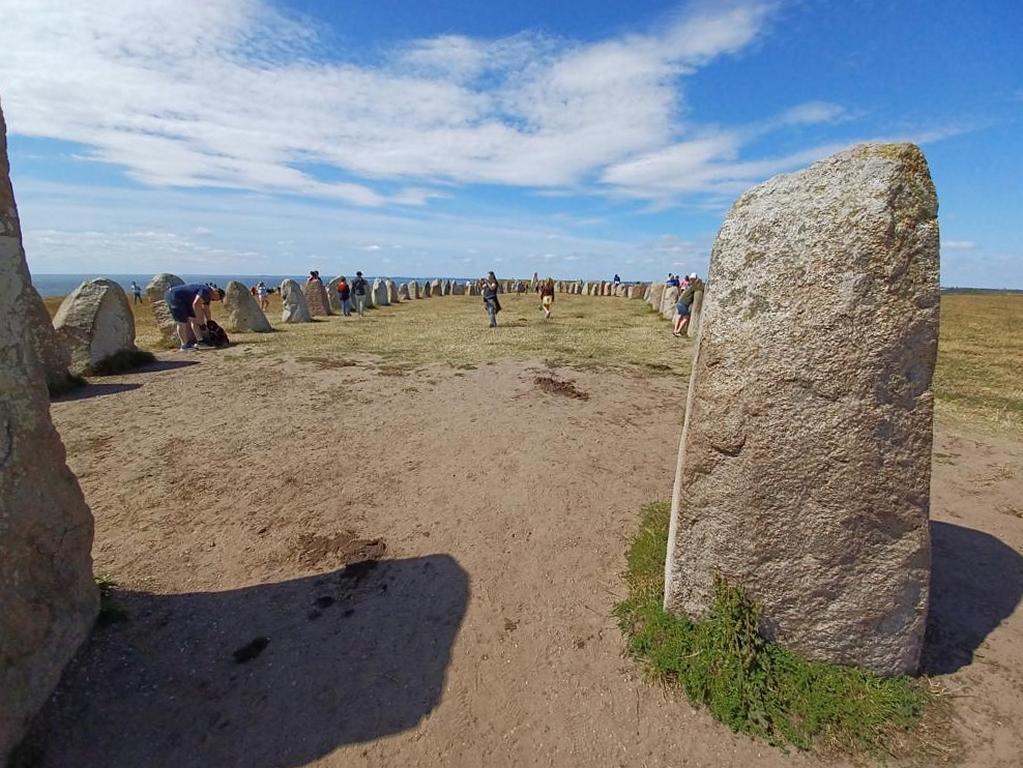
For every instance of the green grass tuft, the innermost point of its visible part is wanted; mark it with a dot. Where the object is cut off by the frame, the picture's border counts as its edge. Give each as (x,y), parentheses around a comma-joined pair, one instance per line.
(125,360)
(110,612)
(69,383)
(751,685)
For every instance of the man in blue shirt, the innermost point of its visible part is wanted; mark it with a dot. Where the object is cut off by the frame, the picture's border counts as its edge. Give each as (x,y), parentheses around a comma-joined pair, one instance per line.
(189,305)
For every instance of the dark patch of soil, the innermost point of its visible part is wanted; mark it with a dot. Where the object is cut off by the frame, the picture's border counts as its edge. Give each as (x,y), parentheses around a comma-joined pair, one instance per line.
(553,386)
(311,549)
(251,649)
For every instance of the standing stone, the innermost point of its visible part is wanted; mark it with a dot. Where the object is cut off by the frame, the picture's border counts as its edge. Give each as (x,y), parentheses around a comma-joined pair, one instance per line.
(427,290)
(293,305)
(53,355)
(316,298)
(403,292)
(472,289)
(48,599)
(414,290)
(457,288)
(392,292)
(668,301)
(380,297)
(95,323)
(436,288)
(693,327)
(656,294)
(333,297)
(242,312)
(804,466)
(154,291)
(447,287)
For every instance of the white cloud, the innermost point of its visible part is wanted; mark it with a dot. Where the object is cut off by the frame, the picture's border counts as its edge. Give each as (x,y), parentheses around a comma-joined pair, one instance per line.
(958,245)
(233,94)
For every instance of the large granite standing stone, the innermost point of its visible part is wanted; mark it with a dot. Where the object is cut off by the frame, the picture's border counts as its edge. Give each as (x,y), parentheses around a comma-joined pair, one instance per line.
(457,288)
(656,294)
(95,323)
(380,297)
(293,305)
(333,297)
(404,293)
(804,465)
(316,298)
(472,288)
(415,290)
(154,291)
(695,312)
(48,599)
(427,290)
(668,301)
(242,313)
(53,355)
(436,288)
(392,292)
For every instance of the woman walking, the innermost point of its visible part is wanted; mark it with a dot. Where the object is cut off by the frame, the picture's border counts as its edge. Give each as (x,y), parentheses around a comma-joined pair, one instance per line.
(547,297)
(490,302)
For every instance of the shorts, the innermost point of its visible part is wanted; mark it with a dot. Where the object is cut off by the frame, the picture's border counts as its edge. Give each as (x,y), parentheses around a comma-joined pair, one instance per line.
(682,308)
(547,300)
(180,312)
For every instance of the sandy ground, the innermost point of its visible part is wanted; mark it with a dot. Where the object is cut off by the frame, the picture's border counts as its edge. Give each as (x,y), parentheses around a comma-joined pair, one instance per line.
(229,490)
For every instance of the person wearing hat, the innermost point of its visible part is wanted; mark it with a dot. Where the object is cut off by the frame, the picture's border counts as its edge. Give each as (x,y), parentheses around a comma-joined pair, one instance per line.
(189,305)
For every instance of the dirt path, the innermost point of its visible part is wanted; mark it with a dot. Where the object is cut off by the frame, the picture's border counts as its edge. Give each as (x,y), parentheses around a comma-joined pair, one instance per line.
(501,509)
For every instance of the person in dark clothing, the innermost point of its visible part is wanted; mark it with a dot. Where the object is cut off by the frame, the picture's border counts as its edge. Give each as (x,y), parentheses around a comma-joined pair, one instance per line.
(359,290)
(136,292)
(344,295)
(490,302)
(189,305)
(617,280)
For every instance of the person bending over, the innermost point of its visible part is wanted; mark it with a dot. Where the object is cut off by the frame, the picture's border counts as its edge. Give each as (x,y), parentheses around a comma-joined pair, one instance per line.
(189,305)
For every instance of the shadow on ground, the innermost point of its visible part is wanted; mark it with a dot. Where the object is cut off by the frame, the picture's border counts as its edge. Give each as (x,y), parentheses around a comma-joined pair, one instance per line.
(163,365)
(976,583)
(95,390)
(271,675)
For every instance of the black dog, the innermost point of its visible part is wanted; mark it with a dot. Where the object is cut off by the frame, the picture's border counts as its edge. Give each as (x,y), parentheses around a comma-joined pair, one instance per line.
(215,335)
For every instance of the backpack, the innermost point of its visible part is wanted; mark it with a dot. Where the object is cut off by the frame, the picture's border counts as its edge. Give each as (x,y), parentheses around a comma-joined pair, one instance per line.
(216,335)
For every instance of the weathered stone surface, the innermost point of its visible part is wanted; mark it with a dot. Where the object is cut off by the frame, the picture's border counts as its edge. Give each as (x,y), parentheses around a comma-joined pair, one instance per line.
(804,465)
(668,301)
(95,322)
(695,311)
(293,304)
(415,290)
(620,289)
(242,313)
(53,355)
(436,288)
(427,290)
(392,292)
(380,297)
(154,292)
(472,289)
(403,292)
(333,297)
(457,288)
(48,599)
(656,294)
(316,298)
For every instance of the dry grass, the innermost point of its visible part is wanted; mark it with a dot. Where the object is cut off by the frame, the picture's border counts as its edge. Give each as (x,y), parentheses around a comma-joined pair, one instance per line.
(584,331)
(979,360)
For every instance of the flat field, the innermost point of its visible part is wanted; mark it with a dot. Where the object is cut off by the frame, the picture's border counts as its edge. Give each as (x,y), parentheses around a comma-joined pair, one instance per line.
(487,483)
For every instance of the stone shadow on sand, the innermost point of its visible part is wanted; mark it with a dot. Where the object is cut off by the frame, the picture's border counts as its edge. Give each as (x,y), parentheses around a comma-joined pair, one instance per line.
(163,365)
(94,390)
(976,583)
(270,675)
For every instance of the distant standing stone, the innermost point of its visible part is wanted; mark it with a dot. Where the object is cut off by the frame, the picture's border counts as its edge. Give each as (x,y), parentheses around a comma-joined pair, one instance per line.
(293,305)
(316,298)
(695,311)
(380,297)
(392,292)
(804,466)
(457,288)
(95,322)
(436,288)
(154,292)
(403,292)
(668,301)
(415,290)
(333,297)
(656,294)
(241,310)
(53,354)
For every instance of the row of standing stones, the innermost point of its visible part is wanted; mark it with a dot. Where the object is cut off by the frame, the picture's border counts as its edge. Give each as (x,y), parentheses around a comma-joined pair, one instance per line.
(804,463)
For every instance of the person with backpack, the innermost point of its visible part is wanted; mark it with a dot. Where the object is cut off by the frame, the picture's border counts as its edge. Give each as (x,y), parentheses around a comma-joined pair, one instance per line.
(344,295)
(490,302)
(189,305)
(359,289)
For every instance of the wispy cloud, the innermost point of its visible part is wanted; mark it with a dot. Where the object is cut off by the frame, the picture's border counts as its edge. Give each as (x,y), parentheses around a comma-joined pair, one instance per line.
(233,94)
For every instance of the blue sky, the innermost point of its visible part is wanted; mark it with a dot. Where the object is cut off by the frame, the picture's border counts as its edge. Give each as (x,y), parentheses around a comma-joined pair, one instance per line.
(412,138)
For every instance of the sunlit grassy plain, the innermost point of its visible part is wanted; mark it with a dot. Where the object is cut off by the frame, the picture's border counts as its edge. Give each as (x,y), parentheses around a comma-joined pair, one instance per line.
(978,378)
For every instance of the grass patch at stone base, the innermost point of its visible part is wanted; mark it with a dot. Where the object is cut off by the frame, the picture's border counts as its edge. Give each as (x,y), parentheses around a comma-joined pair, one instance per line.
(125,360)
(751,685)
